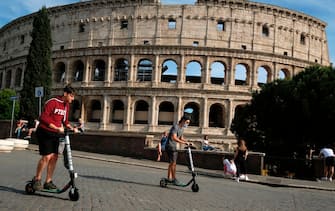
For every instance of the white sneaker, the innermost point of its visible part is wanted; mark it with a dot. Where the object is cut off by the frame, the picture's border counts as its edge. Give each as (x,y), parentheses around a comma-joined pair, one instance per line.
(324,178)
(242,177)
(330,179)
(237,179)
(246,178)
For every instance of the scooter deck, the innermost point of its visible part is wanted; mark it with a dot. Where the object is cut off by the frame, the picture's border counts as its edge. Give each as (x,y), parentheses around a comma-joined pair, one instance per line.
(172,183)
(51,190)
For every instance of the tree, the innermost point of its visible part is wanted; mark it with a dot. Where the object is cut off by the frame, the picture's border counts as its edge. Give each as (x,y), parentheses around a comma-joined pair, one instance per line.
(6,104)
(38,70)
(289,114)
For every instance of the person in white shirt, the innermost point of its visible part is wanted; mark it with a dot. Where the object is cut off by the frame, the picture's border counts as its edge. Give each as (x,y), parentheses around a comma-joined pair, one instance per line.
(205,144)
(327,154)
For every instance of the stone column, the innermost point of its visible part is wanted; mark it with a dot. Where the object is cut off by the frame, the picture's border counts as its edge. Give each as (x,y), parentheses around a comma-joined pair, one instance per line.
(207,72)
(131,69)
(181,71)
(87,71)
(128,115)
(83,111)
(230,115)
(68,72)
(156,71)
(275,72)
(253,75)
(153,115)
(180,109)
(205,114)
(105,112)
(231,72)
(108,71)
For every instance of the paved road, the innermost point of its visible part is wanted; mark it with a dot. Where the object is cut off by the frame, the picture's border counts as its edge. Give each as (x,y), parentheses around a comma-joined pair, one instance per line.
(118,186)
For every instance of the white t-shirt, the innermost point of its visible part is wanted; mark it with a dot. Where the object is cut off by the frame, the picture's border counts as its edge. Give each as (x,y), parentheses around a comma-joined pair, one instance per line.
(206,142)
(327,152)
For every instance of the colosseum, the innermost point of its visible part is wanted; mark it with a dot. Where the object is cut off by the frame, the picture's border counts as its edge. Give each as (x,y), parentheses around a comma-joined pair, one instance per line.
(138,65)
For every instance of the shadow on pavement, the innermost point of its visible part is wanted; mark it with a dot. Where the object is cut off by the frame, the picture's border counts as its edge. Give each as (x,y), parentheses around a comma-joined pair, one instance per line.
(126,181)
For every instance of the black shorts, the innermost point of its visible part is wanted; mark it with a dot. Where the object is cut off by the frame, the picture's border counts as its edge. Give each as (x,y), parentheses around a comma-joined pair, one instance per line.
(48,142)
(172,155)
(330,161)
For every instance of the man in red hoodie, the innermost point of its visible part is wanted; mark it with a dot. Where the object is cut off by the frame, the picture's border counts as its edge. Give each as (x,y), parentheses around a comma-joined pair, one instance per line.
(52,121)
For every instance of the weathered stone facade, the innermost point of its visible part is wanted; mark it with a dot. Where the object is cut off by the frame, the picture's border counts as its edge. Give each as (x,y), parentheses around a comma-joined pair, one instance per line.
(137,64)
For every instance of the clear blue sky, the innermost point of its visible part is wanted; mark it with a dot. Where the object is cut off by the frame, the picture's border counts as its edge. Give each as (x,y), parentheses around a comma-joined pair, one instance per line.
(321,9)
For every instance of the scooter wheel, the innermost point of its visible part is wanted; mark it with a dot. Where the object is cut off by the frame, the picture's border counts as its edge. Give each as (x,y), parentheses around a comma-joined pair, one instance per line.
(74,194)
(195,187)
(29,188)
(163,183)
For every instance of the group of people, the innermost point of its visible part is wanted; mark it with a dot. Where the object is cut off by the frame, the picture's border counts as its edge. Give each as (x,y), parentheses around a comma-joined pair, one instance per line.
(54,118)
(236,167)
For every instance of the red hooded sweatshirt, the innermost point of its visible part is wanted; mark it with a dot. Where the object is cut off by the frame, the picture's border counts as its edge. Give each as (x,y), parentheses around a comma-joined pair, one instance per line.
(55,111)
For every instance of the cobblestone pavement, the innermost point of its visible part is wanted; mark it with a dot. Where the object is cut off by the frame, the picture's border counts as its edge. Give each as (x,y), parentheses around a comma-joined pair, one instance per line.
(109,182)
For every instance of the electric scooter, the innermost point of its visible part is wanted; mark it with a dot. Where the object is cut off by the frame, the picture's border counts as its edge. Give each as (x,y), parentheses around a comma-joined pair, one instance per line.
(195,187)
(68,164)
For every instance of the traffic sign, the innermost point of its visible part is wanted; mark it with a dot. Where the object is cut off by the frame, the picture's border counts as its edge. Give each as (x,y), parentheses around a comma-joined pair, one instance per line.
(14,97)
(39,91)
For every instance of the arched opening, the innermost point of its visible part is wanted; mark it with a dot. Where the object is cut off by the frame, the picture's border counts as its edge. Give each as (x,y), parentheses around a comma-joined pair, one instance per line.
(216,116)
(192,110)
(263,76)
(78,71)
(8,78)
(74,113)
(241,74)
(144,70)
(18,77)
(95,113)
(169,71)
(193,72)
(121,70)
(99,70)
(59,72)
(117,111)
(283,74)
(166,113)
(217,73)
(141,112)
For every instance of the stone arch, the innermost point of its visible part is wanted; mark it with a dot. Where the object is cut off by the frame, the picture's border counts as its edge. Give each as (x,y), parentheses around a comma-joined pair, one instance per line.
(18,77)
(169,71)
(117,112)
(193,72)
(8,79)
(144,70)
(121,70)
(78,69)
(94,111)
(141,115)
(74,113)
(263,75)
(218,73)
(195,115)
(238,108)
(283,73)
(242,74)
(216,115)
(99,70)
(59,72)
(165,113)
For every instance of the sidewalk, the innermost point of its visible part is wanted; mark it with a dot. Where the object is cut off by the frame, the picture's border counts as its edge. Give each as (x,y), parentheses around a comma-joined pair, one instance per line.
(264,180)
